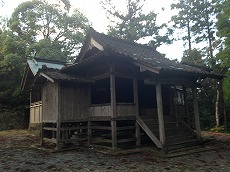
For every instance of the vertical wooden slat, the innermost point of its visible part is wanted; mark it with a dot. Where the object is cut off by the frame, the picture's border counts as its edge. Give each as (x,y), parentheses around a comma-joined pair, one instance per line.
(135,95)
(196,113)
(160,114)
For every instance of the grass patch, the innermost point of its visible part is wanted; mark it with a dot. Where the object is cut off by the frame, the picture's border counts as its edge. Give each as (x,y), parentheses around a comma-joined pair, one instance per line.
(221,129)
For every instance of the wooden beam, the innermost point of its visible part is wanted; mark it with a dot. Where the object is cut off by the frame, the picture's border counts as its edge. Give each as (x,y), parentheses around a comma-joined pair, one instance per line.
(186,105)
(160,114)
(135,95)
(42,135)
(89,133)
(113,107)
(151,69)
(58,124)
(94,43)
(149,133)
(170,81)
(102,76)
(113,95)
(196,113)
(114,134)
(46,76)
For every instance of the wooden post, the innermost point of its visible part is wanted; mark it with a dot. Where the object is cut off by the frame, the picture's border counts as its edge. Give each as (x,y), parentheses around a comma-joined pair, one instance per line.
(58,122)
(160,114)
(175,104)
(42,125)
(196,113)
(42,141)
(186,105)
(89,132)
(135,96)
(171,97)
(113,108)
(114,134)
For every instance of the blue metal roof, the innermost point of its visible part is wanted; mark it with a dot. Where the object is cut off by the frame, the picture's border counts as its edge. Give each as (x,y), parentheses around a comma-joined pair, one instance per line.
(36,64)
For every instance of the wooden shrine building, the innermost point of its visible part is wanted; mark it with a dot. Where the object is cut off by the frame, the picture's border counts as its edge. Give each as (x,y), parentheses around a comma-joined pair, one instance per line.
(117,93)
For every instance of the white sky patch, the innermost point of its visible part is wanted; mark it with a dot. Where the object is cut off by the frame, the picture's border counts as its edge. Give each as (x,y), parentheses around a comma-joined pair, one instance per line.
(95,13)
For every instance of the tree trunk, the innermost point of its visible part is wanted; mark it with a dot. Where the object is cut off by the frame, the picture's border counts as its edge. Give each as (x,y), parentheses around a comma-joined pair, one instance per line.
(189,37)
(217,104)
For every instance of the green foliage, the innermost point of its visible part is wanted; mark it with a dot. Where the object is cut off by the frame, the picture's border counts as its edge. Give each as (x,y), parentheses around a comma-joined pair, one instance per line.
(226,85)
(220,129)
(36,20)
(132,24)
(36,24)
(193,56)
(48,49)
(223,25)
(183,20)
(196,18)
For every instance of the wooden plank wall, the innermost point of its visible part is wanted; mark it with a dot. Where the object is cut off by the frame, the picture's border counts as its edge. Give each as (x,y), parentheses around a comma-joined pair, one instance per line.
(36,112)
(50,102)
(126,110)
(74,102)
(104,110)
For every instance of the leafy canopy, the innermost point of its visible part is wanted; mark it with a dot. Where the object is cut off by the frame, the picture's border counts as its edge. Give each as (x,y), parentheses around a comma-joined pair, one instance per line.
(132,24)
(35,20)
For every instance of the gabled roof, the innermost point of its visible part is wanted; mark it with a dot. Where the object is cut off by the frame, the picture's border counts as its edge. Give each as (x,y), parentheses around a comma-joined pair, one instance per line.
(55,75)
(37,63)
(142,55)
(34,65)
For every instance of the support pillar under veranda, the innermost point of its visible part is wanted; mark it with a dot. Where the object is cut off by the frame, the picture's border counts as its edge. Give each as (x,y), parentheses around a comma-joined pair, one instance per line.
(160,114)
(135,93)
(113,108)
(196,113)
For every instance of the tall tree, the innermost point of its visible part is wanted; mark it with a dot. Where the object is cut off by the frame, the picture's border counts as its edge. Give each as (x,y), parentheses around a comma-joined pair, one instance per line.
(48,28)
(194,56)
(36,20)
(132,24)
(183,20)
(223,26)
(204,27)
(12,49)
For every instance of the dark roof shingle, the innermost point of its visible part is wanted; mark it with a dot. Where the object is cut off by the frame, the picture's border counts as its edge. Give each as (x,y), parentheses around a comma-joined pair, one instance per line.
(146,55)
(58,76)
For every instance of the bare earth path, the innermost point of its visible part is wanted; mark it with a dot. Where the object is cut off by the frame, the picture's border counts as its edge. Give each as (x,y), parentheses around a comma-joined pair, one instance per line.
(16,154)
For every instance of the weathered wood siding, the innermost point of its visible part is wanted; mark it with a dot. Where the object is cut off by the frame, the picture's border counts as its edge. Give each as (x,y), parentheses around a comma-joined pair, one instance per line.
(50,102)
(126,110)
(74,102)
(103,110)
(36,112)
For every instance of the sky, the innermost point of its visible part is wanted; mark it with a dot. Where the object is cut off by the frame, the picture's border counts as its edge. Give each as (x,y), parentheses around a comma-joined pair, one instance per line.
(95,13)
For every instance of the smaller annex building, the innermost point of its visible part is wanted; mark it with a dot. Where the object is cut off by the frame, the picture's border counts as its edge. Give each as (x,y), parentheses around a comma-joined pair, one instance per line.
(117,93)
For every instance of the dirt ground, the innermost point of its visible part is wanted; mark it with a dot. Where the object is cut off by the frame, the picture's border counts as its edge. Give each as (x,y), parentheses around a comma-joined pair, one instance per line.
(17,154)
